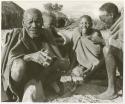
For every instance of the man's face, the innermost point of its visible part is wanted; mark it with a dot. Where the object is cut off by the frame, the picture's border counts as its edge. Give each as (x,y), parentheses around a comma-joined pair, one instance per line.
(85,25)
(33,24)
(106,17)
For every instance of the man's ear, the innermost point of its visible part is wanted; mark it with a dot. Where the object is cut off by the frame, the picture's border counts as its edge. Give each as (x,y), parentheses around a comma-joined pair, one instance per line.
(112,15)
(91,24)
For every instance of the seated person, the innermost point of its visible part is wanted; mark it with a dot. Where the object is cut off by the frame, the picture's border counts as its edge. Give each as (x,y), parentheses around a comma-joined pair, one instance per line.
(30,54)
(113,51)
(87,46)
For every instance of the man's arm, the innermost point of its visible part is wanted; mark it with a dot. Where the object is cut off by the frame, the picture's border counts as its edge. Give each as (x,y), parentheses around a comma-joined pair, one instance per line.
(116,39)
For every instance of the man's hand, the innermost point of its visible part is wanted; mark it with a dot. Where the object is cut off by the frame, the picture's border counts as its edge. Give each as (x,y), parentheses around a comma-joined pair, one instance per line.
(40,57)
(113,37)
(61,64)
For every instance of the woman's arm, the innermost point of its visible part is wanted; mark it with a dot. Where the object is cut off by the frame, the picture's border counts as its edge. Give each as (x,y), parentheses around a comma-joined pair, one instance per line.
(66,36)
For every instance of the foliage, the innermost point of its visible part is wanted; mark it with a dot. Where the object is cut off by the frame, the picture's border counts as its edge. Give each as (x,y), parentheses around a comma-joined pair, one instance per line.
(53,7)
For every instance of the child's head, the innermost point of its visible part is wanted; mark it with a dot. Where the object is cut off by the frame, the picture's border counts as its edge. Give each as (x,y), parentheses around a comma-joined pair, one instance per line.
(85,23)
(48,19)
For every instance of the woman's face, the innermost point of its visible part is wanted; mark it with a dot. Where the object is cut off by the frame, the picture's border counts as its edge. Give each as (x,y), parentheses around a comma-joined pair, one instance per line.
(85,24)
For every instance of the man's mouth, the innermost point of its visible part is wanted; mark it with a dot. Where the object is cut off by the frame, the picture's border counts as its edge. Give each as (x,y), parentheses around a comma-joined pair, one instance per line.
(34,30)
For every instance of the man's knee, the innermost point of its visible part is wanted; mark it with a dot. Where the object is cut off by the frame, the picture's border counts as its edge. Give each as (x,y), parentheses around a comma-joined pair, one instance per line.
(33,91)
(18,70)
(29,93)
(105,50)
(108,50)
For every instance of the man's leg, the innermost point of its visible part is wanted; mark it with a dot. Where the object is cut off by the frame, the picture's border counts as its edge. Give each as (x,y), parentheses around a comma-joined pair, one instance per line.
(18,70)
(33,89)
(119,61)
(53,74)
(119,81)
(22,75)
(110,62)
(34,92)
(17,76)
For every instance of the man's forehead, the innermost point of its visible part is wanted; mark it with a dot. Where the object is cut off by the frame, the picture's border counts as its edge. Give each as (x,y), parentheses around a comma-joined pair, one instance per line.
(32,13)
(32,16)
(103,12)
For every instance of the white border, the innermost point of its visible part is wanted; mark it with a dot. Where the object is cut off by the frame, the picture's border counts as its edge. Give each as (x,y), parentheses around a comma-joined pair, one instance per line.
(66,103)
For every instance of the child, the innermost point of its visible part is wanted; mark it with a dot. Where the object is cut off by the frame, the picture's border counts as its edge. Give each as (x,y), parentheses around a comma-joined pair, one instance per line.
(87,46)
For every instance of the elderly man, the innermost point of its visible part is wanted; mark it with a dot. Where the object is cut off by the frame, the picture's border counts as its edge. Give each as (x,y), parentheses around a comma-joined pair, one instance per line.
(113,51)
(31,53)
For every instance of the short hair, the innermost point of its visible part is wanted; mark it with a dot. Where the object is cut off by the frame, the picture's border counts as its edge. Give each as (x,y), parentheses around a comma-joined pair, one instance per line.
(32,10)
(110,8)
(87,17)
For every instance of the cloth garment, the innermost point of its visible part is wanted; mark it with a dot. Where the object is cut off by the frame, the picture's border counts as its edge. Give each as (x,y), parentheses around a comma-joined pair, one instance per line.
(88,54)
(20,44)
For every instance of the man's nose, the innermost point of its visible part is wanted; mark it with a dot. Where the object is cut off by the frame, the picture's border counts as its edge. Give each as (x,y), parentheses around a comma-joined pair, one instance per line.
(33,24)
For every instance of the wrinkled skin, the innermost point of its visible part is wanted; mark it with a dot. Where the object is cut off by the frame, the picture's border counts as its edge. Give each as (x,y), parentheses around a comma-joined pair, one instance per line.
(33,22)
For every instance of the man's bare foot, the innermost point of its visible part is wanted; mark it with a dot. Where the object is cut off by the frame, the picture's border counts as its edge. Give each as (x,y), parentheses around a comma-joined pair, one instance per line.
(107,95)
(120,92)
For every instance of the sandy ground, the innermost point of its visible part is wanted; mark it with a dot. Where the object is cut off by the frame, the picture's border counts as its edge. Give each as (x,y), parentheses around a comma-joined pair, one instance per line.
(85,92)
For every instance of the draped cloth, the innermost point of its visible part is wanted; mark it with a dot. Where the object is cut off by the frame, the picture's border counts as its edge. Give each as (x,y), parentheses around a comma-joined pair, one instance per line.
(86,56)
(87,53)
(21,44)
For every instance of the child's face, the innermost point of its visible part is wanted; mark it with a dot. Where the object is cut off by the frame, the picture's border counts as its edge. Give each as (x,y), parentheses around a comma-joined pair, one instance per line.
(85,25)
(47,21)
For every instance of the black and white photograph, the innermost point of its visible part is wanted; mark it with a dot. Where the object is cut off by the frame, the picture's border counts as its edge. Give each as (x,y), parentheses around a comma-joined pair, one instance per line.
(62,51)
